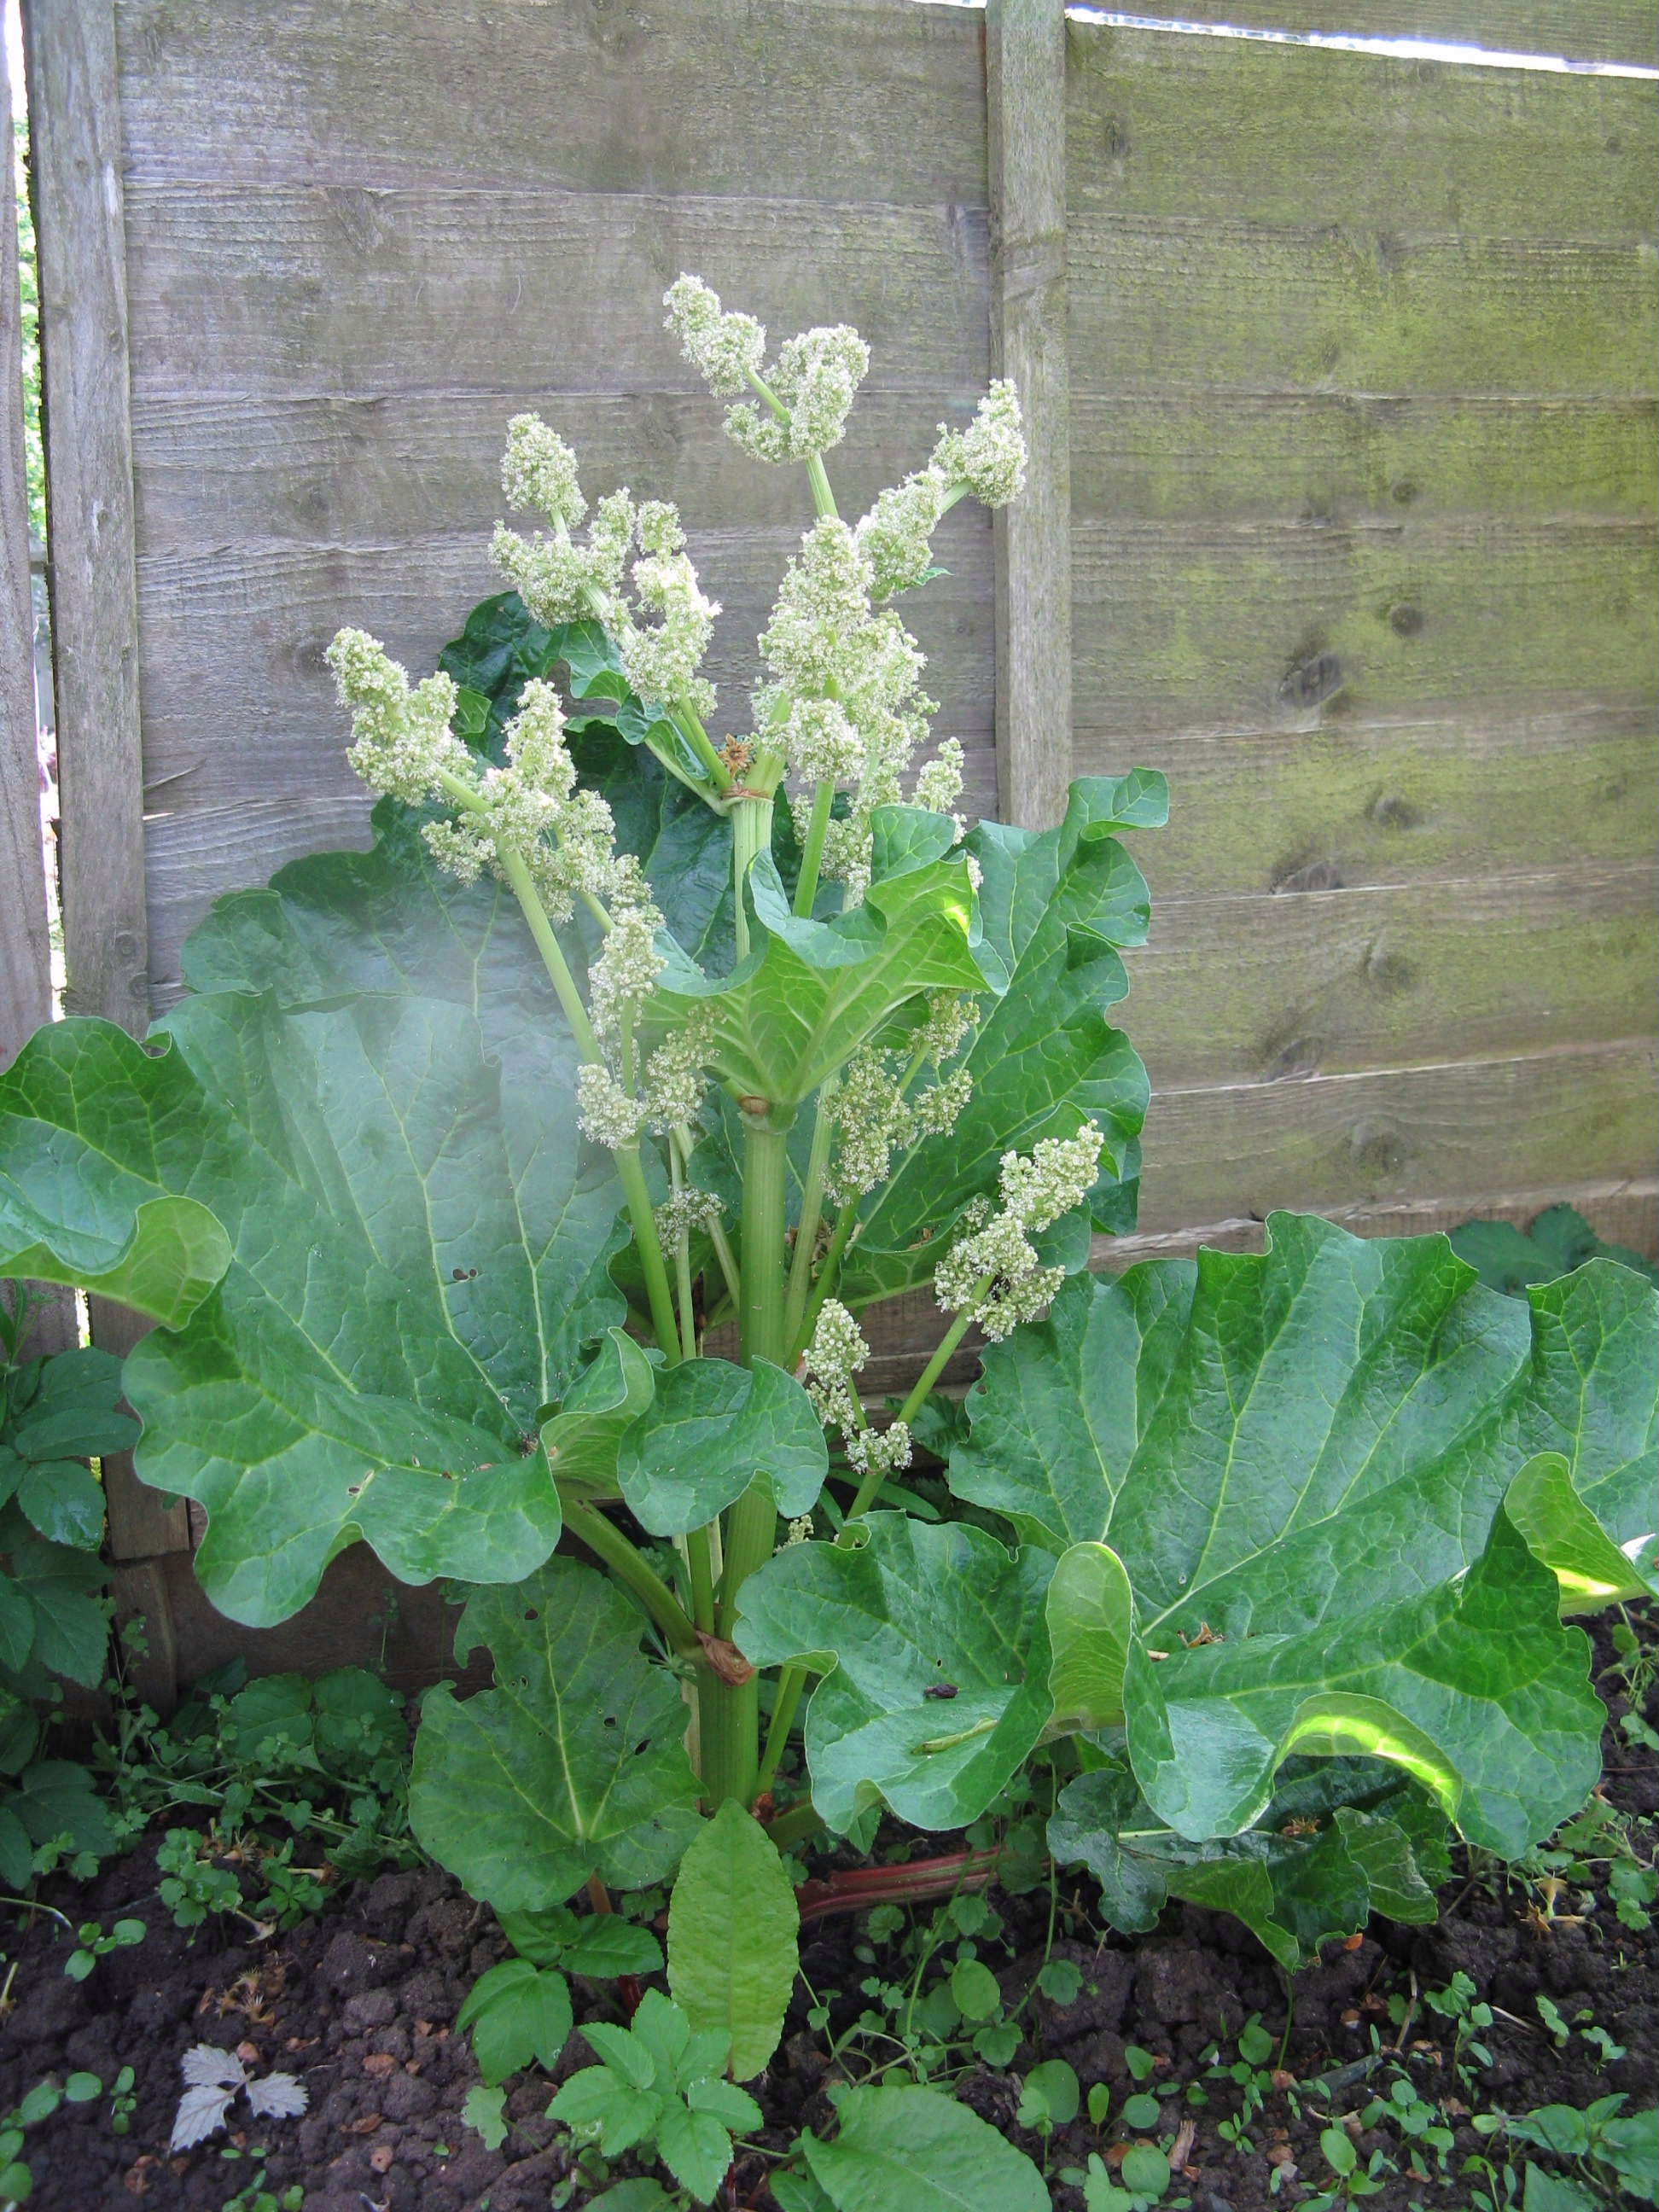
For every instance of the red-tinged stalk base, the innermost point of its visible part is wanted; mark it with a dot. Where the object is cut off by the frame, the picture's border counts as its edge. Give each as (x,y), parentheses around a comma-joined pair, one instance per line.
(859,1888)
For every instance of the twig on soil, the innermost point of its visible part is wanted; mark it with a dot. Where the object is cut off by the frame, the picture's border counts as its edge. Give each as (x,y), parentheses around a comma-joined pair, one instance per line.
(1399,2043)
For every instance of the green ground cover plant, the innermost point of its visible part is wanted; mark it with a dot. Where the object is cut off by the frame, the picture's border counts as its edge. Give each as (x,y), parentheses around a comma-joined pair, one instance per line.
(57,1411)
(513,1198)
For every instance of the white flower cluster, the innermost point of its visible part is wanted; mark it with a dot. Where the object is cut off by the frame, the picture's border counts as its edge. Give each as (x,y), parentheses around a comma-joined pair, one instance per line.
(532,811)
(726,349)
(561,579)
(685,1211)
(403,741)
(993,1273)
(987,459)
(845,698)
(888,1449)
(670,1090)
(989,455)
(538,471)
(669,1082)
(836,1355)
(897,532)
(809,390)
(532,805)
(833,1359)
(875,1117)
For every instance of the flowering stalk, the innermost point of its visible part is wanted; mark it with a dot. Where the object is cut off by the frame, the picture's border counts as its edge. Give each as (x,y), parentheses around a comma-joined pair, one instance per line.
(838,718)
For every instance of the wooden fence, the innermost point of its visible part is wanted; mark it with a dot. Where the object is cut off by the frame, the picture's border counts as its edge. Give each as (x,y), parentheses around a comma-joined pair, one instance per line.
(1342,371)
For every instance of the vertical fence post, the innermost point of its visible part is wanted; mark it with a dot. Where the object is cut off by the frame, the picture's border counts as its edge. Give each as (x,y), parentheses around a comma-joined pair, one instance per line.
(1025,91)
(25,952)
(76,119)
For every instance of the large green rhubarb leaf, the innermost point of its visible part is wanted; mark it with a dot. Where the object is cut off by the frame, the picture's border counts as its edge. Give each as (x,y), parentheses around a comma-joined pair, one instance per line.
(711,1429)
(572,1765)
(1300,1462)
(1342,1839)
(1055,908)
(412,1250)
(810,993)
(938,1685)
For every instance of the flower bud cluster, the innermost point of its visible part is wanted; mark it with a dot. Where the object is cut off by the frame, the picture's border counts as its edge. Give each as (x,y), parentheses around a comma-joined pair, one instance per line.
(687,1212)
(538,471)
(875,1116)
(887,1450)
(614,1107)
(726,349)
(808,391)
(845,695)
(939,781)
(993,1273)
(987,459)
(670,1092)
(403,741)
(561,579)
(563,834)
(989,455)
(835,1357)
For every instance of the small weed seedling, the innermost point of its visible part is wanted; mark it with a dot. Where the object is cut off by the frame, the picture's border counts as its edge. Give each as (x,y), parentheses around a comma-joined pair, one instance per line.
(659,2087)
(93,1943)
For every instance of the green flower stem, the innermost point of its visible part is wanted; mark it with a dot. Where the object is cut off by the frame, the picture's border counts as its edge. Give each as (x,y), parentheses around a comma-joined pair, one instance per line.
(635,1573)
(828,1275)
(728,1259)
(729,1713)
(811,1213)
(803,1317)
(699,1559)
(812,859)
(690,724)
(929,1378)
(751,836)
(765,1223)
(683,1264)
(823,498)
(790,1683)
(629,1171)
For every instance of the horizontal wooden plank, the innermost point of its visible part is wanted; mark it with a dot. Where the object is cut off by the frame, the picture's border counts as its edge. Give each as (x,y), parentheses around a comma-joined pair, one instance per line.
(1183,302)
(1193,456)
(1332,982)
(232,645)
(1624,1212)
(344,470)
(1292,135)
(1185,623)
(728,96)
(1337,1140)
(1577,30)
(344,289)
(1410,802)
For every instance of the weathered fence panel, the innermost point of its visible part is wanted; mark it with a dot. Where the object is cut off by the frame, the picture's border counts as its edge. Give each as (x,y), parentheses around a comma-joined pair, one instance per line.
(1342,509)
(1363,374)
(1575,30)
(24,958)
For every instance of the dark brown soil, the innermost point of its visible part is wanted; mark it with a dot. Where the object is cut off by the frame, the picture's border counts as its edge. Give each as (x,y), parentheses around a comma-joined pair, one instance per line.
(361,2003)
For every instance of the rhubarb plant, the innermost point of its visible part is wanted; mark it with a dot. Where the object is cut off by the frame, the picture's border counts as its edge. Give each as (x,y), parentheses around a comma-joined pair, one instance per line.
(513,1198)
